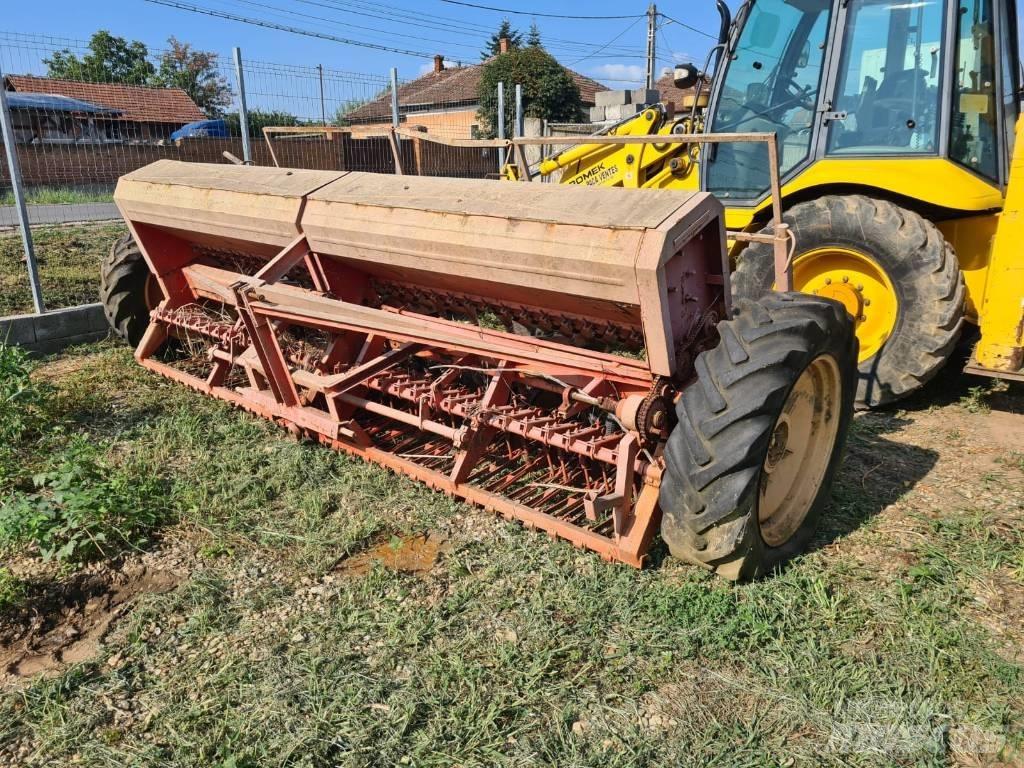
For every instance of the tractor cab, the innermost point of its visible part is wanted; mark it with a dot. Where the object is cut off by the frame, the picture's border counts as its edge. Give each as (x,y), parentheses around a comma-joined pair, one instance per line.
(882,80)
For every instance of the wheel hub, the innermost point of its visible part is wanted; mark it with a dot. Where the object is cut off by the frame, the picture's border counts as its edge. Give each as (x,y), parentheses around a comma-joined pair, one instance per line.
(856,281)
(845,294)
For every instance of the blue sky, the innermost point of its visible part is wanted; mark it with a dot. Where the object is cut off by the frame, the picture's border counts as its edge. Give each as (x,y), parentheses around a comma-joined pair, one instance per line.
(427,26)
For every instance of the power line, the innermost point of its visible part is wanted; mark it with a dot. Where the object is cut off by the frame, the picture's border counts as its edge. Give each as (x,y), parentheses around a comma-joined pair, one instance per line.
(569,49)
(286,28)
(447,25)
(627,29)
(533,13)
(689,27)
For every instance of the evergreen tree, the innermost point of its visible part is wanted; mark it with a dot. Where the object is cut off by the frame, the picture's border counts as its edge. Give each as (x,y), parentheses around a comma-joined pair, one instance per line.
(515,40)
(533,39)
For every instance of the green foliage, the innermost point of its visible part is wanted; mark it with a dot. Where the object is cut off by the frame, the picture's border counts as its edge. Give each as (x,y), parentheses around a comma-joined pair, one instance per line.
(346,108)
(21,399)
(258,119)
(113,59)
(195,72)
(12,591)
(81,508)
(493,47)
(110,59)
(533,38)
(22,403)
(549,92)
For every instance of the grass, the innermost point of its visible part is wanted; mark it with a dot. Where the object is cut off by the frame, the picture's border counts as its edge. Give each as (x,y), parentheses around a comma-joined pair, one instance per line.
(875,648)
(60,195)
(68,259)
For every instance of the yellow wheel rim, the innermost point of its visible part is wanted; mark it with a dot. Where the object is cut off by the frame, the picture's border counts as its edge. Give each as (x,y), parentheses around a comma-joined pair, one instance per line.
(799,451)
(857,282)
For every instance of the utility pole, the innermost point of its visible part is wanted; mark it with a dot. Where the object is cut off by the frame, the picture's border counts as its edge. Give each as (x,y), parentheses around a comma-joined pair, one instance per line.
(652,28)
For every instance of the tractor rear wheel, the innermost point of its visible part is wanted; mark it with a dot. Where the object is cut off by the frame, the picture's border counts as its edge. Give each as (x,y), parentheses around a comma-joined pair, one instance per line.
(750,463)
(128,290)
(892,270)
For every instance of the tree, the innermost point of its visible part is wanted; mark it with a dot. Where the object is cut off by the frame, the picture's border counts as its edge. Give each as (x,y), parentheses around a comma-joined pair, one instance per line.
(110,59)
(533,39)
(195,72)
(341,115)
(514,36)
(549,92)
(257,120)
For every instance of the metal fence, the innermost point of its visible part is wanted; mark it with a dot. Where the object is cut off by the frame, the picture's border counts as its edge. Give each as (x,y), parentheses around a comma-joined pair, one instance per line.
(76,129)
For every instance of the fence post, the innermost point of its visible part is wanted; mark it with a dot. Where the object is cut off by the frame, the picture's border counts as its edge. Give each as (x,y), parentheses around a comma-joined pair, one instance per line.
(520,128)
(501,124)
(243,113)
(323,110)
(19,199)
(394,100)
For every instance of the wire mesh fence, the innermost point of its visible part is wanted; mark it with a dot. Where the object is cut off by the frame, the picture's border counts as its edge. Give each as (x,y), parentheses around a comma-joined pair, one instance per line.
(80,123)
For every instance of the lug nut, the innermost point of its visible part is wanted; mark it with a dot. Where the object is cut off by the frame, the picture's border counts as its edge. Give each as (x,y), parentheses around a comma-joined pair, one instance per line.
(867,302)
(860,286)
(828,281)
(846,279)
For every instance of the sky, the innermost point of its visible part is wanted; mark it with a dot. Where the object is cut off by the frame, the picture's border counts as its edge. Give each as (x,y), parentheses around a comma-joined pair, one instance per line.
(609,50)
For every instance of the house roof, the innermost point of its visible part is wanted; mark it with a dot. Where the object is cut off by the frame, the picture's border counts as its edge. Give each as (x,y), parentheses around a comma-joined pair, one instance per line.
(135,103)
(448,88)
(49,102)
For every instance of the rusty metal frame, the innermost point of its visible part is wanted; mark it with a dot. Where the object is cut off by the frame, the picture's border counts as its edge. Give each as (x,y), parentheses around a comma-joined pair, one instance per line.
(300,307)
(782,240)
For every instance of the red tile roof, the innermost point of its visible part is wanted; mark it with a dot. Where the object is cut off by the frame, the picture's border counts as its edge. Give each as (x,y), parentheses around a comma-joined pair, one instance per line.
(448,88)
(136,103)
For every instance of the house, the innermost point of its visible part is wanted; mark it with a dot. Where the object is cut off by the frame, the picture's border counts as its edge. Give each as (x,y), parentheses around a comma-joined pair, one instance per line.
(39,118)
(681,99)
(444,101)
(131,112)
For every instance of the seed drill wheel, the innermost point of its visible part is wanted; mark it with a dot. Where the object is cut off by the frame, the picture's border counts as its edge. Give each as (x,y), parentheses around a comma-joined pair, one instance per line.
(760,434)
(128,291)
(892,270)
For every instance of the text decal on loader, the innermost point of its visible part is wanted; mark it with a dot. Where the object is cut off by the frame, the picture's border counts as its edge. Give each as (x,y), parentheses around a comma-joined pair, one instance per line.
(595,175)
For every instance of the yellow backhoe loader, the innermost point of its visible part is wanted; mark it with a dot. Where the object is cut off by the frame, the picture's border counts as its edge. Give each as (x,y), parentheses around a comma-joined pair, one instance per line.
(896,124)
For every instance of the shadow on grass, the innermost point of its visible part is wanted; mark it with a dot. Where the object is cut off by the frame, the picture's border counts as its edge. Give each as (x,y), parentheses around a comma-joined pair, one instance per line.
(876,472)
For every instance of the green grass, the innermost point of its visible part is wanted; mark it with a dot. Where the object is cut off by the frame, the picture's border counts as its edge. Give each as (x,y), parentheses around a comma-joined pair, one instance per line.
(69,262)
(59,195)
(515,650)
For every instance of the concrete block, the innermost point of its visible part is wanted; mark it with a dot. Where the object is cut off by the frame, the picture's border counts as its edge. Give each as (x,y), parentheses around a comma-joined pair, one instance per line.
(645,96)
(622,111)
(597,114)
(611,98)
(53,346)
(18,330)
(67,323)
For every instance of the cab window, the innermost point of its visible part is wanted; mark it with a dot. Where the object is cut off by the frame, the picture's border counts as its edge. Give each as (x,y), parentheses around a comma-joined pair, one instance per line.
(974,131)
(889,79)
(771,85)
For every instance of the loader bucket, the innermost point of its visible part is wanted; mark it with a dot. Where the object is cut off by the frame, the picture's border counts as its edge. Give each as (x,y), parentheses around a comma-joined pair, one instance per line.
(520,346)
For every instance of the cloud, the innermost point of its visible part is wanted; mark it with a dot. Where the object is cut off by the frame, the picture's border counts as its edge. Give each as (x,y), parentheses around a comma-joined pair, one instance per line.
(626,73)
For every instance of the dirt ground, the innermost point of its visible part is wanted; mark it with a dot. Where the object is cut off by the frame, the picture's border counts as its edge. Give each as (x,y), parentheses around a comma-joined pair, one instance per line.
(303,608)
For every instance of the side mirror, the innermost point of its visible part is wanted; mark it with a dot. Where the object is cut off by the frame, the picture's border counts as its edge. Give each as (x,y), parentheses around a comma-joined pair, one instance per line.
(686,76)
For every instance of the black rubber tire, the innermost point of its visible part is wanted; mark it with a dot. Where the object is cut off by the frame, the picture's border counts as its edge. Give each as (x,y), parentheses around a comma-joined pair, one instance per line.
(123,276)
(920,264)
(715,455)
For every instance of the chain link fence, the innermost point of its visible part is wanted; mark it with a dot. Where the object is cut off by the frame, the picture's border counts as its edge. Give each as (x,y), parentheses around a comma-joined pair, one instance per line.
(78,127)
